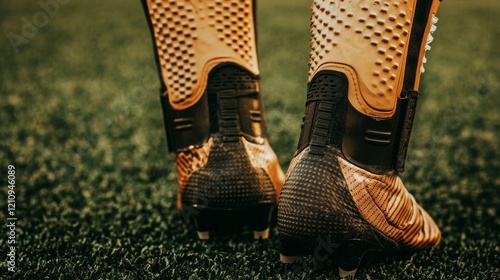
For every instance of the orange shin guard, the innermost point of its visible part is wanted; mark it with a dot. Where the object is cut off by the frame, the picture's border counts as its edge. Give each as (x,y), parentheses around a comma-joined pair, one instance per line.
(211,97)
(342,187)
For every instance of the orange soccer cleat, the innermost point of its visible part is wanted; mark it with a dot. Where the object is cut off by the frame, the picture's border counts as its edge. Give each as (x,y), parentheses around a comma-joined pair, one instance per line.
(213,112)
(342,196)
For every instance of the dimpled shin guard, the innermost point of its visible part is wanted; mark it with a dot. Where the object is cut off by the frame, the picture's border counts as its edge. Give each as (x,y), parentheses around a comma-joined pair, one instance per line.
(207,59)
(342,187)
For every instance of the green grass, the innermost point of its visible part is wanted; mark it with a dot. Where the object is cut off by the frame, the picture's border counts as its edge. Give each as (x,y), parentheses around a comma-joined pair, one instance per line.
(96,189)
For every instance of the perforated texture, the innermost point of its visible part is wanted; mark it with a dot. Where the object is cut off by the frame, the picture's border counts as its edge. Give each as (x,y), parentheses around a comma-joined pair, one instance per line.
(231,19)
(191,38)
(234,78)
(369,36)
(229,180)
(175,31)
(325,86)
(324,198)
(315,202)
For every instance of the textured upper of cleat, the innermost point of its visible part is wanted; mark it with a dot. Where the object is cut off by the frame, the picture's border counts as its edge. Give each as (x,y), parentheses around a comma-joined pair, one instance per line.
(234,176)
(316,202)
(386,204)
(324,196)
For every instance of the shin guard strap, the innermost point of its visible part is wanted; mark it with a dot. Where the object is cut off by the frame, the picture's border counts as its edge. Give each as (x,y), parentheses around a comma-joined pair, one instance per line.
(411,106)
(380,145)
(231,105)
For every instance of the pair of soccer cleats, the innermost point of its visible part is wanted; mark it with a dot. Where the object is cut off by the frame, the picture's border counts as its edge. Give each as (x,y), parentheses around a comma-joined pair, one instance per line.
(326,204)
(341,194)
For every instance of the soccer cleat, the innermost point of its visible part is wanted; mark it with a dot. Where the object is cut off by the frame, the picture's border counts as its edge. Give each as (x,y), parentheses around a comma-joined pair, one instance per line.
(211,99)
(342,196)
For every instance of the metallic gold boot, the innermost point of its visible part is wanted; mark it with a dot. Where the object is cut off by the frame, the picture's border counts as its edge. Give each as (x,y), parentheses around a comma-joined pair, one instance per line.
(206,55)
(342,197)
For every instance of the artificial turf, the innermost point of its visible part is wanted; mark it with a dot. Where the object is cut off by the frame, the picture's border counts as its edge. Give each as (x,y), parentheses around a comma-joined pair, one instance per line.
(95,188)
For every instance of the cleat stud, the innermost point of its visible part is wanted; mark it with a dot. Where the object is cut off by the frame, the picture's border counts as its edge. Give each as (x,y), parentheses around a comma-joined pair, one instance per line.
(258,234)
(203,235)
(347,275)
(290,259)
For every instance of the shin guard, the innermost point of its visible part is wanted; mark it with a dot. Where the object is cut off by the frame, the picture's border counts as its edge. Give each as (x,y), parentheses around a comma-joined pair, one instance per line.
(210,92)
(342,187)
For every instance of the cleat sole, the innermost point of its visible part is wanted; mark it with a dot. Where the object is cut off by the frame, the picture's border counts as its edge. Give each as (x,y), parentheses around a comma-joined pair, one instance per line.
(347,254)
(258,217)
